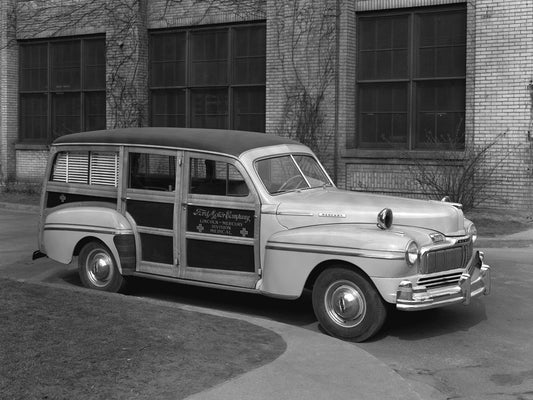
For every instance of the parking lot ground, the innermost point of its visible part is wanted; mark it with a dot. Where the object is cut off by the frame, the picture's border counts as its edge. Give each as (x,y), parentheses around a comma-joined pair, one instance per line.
(314,365)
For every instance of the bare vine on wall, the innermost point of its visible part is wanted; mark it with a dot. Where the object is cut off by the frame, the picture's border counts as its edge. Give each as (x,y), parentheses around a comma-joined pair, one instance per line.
(463,174)
(122,19)
(305,44)
(126,96)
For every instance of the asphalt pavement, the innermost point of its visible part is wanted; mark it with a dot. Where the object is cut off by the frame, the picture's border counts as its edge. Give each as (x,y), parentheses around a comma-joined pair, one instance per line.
(314,366)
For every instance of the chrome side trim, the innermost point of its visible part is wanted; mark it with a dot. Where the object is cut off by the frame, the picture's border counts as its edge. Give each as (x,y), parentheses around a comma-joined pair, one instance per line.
(295,213)
(86,228)
(335,250)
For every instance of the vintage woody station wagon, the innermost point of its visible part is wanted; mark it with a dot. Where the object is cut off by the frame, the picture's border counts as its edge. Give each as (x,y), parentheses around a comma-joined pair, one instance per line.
(250,212)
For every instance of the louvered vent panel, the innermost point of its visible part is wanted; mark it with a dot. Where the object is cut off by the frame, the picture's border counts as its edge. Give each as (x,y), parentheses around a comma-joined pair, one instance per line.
(60,168)
(78,167)
(104,169)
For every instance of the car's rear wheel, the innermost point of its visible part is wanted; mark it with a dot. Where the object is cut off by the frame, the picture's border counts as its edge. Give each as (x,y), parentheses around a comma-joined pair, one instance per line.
(98,269)
(347,305)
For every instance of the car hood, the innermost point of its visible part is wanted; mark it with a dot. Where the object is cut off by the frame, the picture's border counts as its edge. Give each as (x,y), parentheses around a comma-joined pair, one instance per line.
(332,205)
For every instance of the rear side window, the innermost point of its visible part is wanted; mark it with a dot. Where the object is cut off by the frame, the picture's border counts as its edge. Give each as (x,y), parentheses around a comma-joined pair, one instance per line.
(216,178)
(88,167)
(152,172)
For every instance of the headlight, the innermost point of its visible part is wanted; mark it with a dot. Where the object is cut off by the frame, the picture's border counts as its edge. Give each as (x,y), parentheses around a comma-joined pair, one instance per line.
(411,254)
(472,232)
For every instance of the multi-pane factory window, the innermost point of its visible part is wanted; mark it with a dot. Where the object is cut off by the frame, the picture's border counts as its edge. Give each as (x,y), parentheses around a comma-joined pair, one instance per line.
(62,88)
(411,70)
(209,77)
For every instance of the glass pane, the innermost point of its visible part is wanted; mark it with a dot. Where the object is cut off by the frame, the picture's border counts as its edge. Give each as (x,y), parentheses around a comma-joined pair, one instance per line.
(426,129)
(209,109)
(168,108)
(312,171)
(94,64)
(65,64)
(442,29)
(440,114)
(249,49)
(368,128)
(442,44)
(384,33)
(95,111)
(167,64)
(33,117)
(426,62)
(216,178)
(383,114)
(152,172)
(366,33)
(249,41)
(249,109)
(34,67)
(382,45)
(367,65)
(280,174)
(209,57)
(66,114)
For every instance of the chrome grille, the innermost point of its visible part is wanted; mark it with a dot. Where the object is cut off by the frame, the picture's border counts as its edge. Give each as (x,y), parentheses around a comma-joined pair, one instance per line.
(446,259)
(440,280)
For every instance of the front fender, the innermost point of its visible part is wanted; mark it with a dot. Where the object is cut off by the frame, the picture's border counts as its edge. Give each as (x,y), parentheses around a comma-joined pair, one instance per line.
(292,255)
(64,228)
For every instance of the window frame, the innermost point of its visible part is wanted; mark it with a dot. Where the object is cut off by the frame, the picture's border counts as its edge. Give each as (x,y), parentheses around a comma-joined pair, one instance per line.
(83,89)
(413,82)
(183,93)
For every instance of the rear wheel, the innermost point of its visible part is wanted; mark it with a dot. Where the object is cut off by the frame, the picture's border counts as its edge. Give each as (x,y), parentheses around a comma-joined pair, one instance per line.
(347,305)
(98,269)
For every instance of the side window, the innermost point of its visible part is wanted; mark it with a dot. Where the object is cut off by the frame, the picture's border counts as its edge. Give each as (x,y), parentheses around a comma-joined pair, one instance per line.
(86,167)
(152,172)
(216,178)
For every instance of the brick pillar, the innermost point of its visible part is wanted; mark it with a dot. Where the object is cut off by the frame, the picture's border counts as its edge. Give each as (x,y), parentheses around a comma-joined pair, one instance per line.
(127,64)
(503,70)
(8,91)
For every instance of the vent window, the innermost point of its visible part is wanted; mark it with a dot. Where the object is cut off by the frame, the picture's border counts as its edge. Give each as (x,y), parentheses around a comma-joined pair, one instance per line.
(93,168)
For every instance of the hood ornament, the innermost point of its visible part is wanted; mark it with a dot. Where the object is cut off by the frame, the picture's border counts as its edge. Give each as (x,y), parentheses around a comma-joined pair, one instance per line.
(385,219)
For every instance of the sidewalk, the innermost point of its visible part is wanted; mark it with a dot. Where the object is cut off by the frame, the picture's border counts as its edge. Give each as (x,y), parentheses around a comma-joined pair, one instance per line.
(519,239)
(314,366)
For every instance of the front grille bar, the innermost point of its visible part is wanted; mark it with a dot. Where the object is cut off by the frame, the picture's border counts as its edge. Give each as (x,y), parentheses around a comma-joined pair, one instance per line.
(446,259)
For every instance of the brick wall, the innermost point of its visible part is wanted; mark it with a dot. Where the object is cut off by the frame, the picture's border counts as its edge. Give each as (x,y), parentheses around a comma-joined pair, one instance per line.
(504,68)
(499,68)
(127,64)
(8,92)
(190,13)
(301,62)
(299,35)
(30,165)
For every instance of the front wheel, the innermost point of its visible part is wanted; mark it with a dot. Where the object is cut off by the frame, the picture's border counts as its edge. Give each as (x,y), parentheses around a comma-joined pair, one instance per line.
(97,268)
(346,305)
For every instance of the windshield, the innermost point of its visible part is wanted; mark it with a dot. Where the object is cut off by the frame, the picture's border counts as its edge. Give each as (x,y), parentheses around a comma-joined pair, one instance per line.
(291,172)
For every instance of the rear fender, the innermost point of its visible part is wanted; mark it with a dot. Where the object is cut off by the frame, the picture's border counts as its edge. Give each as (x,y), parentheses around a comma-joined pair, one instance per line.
(67,227)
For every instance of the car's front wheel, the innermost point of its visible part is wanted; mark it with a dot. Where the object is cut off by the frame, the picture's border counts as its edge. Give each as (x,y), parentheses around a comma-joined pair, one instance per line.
(98,269)
(347,305)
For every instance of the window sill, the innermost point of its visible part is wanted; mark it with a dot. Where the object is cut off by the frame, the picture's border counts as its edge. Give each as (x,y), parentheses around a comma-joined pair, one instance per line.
(32,146)
(395,154)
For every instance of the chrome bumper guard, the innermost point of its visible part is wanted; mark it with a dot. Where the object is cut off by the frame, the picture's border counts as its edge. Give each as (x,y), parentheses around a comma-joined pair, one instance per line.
(411,297)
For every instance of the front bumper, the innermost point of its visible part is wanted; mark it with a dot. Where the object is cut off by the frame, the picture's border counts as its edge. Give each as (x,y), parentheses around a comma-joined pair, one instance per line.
(474,282)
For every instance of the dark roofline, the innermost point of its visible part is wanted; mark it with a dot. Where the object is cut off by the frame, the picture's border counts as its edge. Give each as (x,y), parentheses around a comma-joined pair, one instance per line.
(214,140)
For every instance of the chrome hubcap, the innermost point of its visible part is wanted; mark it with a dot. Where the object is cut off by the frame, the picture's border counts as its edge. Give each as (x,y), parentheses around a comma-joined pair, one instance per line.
(99,268)
(345,304)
